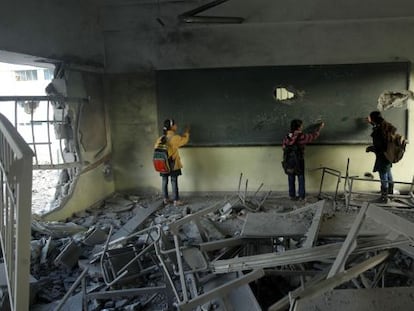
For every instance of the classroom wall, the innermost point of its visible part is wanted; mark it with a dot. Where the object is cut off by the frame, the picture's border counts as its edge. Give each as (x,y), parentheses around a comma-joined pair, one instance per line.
(126,41)
(133,114)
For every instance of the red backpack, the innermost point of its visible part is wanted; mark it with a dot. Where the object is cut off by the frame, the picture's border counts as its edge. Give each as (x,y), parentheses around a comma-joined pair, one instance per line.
(160,159)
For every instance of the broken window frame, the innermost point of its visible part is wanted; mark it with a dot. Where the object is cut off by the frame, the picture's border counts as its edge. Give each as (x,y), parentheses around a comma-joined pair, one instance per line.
(26,75)
(50,101)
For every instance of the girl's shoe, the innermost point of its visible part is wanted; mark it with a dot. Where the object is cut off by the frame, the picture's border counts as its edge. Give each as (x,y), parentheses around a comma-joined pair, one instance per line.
(166,201)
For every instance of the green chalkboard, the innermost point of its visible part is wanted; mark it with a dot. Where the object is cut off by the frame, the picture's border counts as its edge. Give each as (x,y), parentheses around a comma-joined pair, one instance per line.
(237,106)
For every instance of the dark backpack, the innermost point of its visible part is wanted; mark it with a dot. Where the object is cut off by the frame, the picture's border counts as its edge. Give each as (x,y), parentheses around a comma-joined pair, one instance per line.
(161,160)
(395,148)
(292,159)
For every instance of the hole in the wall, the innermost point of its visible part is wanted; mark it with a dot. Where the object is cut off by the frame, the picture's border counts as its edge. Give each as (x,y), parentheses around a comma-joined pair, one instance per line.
(47,127)
(281,93)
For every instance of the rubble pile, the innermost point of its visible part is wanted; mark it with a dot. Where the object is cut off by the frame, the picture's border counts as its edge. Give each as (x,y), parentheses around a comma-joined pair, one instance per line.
(238,252)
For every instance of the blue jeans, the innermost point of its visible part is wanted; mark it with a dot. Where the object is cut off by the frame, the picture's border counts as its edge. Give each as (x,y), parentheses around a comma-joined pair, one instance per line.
(174,186)
(386,178)
(292,185)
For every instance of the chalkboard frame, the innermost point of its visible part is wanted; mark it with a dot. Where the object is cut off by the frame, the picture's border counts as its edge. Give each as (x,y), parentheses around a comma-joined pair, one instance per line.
(219,104)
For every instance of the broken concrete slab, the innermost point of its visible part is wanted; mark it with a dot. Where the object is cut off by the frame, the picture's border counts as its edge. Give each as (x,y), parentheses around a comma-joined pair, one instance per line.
(375,299)
(57,229)
(141,214)
(261,225)
(391,221)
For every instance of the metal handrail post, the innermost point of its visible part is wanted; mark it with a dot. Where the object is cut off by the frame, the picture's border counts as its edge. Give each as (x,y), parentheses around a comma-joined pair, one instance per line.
(15,206)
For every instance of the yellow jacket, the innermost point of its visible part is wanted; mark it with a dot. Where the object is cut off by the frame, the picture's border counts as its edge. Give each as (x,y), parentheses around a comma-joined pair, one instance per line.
(175,141)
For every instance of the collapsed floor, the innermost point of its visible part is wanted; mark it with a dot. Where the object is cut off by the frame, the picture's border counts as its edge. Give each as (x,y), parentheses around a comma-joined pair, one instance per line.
(247,251)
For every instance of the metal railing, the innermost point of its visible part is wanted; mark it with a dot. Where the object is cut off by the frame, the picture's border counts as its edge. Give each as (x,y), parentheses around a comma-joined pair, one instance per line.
(15,207)
(47,128)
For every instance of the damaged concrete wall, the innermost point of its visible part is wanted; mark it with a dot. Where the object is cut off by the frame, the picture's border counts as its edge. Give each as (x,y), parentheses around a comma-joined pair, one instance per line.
(93,180)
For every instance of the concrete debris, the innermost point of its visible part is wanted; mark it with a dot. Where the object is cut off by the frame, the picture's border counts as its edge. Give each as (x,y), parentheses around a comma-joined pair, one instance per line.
(141,214)
(249,251)
(95,236)
(390,99)
(392,298)
(45,250)
(57,229)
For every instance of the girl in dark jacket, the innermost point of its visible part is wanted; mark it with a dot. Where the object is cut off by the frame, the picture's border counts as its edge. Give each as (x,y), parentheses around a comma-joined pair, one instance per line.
(381,132)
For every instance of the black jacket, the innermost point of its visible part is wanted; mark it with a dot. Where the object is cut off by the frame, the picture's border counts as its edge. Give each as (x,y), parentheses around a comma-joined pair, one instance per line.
(380,134)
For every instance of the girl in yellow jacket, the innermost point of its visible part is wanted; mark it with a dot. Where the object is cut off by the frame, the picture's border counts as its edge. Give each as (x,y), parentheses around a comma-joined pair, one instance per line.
(174,141)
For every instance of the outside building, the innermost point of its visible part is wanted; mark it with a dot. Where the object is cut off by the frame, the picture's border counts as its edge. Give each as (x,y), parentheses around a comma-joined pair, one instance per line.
(22,80)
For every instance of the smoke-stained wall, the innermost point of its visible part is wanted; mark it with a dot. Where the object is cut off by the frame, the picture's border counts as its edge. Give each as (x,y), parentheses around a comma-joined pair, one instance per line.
(132,106)
(144,37)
